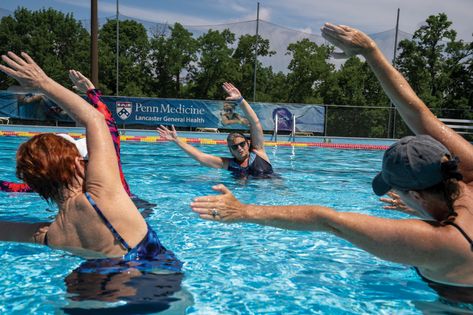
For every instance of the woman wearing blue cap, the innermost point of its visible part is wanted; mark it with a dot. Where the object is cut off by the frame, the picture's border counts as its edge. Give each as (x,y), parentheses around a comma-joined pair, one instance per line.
(424,170)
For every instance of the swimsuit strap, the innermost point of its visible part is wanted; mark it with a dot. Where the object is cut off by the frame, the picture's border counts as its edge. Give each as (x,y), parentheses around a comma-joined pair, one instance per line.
(107,223)
(461,231)
(252,158)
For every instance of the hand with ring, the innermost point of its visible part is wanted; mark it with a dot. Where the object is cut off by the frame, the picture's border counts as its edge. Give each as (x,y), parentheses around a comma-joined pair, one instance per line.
(223,207)
(395,203)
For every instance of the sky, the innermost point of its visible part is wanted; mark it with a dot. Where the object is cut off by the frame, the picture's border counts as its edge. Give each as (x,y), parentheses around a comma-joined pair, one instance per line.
(370,16)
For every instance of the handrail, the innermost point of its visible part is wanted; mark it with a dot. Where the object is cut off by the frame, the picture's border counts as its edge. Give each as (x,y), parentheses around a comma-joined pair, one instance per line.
(464,129)
(275,132)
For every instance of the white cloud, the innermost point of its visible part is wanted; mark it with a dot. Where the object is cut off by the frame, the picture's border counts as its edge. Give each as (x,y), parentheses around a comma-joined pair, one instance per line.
(377,15)
(306,30)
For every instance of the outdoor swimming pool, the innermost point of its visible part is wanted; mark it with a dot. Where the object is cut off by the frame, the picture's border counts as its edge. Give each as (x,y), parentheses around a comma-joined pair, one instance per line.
(228,269)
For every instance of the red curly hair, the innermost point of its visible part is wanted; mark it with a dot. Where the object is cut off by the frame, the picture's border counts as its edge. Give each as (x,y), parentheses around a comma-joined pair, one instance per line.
(46,163)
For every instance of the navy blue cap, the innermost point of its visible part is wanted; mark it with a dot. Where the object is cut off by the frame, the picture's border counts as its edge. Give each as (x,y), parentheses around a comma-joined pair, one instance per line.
(412,163)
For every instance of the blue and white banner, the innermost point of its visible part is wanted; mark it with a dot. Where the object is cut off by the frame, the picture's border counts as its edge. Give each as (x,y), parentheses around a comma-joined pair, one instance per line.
(177,112)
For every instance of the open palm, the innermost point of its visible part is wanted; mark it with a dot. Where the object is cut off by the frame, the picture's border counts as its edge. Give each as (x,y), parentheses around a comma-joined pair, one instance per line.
(167,134)
(232,91)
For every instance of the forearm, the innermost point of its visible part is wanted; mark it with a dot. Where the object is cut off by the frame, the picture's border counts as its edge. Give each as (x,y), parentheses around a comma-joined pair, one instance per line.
(94,96)
(196,154)
(304,218)
(249,112)
(384,238)
(412,109)
(71,103)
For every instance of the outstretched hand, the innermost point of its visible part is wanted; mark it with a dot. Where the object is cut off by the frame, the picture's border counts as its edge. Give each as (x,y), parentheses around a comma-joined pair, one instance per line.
(167,134)
(24,70)
(395,203)
(351,41)
(233,93)
(224,207)
(80,82)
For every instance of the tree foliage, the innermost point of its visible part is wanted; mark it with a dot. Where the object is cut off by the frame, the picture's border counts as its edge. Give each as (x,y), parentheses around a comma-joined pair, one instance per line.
(438,66)
(308,69)
(132,58)
(173,63)
(55,40)
(215,65)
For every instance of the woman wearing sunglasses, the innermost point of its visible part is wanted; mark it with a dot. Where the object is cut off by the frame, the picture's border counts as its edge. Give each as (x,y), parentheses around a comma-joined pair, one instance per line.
(248,155)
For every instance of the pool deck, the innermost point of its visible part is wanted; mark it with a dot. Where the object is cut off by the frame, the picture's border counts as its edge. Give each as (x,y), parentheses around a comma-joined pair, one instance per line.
(208,138)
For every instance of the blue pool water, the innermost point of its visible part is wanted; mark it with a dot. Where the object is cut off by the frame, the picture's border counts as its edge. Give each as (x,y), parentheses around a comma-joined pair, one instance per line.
(229,269)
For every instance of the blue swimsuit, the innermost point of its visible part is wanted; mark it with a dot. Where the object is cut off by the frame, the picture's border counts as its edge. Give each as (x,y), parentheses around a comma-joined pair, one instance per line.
(149,248)
(148,254)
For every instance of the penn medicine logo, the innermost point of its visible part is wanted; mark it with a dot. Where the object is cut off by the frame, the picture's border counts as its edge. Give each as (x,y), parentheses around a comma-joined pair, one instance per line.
(124,109)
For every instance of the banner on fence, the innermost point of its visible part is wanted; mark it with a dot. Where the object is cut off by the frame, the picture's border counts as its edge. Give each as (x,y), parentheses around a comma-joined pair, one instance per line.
(177,112)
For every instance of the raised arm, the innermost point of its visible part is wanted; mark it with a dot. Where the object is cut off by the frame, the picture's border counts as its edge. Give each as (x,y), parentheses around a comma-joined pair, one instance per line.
(99,142)
(412,242)
(256,130)
(412,109)
(84,85)
(201,157)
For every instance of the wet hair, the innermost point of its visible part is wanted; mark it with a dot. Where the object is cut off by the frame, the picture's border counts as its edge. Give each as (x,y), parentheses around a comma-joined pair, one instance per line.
(448,187)
(231,137)
(46,163)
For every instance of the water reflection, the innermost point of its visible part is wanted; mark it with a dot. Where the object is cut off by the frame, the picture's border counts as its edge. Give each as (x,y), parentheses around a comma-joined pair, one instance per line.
(114,286)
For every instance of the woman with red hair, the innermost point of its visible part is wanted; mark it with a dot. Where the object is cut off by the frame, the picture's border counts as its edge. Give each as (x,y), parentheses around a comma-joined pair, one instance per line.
(96,217)
(82,84)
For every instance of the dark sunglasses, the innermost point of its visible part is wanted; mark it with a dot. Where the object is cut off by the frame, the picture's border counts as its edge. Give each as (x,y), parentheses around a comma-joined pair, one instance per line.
(236,145)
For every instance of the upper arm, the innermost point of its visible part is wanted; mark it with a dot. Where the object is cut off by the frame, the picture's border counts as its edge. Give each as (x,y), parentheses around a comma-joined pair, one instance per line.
(412,242)
(211,160)
(257,136)
(20,231)
(102,172)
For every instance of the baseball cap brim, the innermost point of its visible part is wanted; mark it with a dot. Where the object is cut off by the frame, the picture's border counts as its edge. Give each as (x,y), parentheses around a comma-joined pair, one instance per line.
(380,187)
(80,144)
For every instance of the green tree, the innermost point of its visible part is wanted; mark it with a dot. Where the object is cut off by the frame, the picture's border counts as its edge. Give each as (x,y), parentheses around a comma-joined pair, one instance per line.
(244,55)
(436,65)
(134,75)
(308,69)
(173,51)
(162,83)
(182,49)
(355,85)
(215,64)
(55,40)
